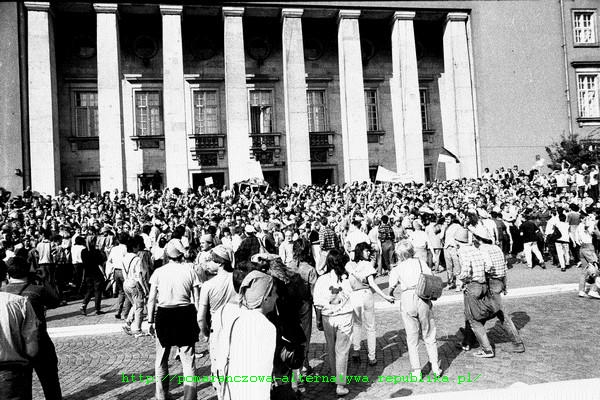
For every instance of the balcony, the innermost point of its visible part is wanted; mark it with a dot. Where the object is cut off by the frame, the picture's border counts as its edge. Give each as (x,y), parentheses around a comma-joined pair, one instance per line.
(266,147)
(208,149)
(321,146)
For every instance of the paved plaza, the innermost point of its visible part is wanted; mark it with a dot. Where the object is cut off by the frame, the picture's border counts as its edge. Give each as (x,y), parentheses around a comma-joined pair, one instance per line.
(556,328)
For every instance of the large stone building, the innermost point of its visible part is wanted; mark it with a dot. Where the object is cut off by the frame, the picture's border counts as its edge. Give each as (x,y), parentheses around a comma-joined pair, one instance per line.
(103,96)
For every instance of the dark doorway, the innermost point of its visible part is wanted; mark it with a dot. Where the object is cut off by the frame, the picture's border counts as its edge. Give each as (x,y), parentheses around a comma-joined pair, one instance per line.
(217,177)
(322,176)
(272,178)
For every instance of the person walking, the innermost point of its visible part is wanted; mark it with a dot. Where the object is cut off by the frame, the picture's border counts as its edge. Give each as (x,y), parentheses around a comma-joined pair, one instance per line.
(135,287)
(175,289)
(114,270)
(478,307)
(387,239)
(496,275)
(93,277)
(529,237)
(417,314)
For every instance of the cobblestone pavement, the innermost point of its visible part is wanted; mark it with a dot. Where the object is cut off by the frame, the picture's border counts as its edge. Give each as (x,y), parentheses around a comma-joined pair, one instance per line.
(556,330)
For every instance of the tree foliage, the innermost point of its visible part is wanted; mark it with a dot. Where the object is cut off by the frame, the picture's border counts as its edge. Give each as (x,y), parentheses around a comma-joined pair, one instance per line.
(573,150)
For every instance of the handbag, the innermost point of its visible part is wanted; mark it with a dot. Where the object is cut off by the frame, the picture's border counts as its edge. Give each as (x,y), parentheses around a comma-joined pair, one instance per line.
(429,287)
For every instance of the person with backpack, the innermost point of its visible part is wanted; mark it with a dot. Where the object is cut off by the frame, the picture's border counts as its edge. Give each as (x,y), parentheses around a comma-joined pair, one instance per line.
(417,314)
(135,287)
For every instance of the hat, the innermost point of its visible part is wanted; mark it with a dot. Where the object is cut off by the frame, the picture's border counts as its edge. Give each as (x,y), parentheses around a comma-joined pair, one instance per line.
(462,235)
(223,252)
(206,238)
(174,249)
(255,287)
(480,232)
(249,229)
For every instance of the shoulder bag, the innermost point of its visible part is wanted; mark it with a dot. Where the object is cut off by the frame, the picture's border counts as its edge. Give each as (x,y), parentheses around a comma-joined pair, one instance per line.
(429,287)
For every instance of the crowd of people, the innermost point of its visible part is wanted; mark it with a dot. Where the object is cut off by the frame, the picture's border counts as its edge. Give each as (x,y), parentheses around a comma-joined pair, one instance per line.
(249,269)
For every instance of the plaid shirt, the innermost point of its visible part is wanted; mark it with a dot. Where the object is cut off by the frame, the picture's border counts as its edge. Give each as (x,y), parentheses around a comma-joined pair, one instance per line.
(327,238)
(496,260)
(473,264)
(385,232)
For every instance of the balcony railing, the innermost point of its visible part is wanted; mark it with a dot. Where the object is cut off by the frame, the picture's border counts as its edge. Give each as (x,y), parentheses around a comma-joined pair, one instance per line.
(321,146)
(266,147)
(208,149)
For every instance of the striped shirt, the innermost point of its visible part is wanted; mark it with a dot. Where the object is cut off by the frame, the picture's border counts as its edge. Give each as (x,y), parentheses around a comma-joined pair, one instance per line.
(327,238)
(474,264)
(496,260)
(385,232)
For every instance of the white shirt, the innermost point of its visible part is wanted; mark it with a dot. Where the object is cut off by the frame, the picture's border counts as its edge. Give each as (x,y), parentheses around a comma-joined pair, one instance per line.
(76,253)
(115,258)
(251,351)
(331,295)
(175,282)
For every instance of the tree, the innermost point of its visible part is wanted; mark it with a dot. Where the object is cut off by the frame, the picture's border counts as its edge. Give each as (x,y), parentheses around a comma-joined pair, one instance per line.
(573,150)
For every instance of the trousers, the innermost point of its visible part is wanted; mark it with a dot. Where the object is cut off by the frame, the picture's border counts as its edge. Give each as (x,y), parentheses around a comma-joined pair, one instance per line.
(338,330)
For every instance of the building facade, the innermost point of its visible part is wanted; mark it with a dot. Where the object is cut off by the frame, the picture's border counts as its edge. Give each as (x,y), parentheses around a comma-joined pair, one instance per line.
(104,96)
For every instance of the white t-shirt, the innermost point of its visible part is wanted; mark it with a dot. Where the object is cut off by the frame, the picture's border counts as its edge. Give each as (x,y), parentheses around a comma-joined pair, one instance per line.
(175,282)
(251,351)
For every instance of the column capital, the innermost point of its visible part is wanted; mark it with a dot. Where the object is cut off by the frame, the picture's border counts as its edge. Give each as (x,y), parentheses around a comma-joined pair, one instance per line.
(233,12)
(37,5)
(170,9)
(404,15)
(291,13)
(106,8)
(457,16)
(348,14)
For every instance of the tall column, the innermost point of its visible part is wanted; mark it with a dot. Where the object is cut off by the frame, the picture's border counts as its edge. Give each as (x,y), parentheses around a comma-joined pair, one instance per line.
(173,99)
(11,149)
(43,102)
(352,98)
(110,119)
(456,98)
(294,92)
(236,94)
(404,85)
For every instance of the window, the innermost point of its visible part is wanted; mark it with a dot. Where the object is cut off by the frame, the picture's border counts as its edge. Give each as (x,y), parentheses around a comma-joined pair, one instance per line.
(587,94)
(424,98)
(148,113)
(86,114)
(261,111)
(371,104)
(584,27)
(206,112)
(316,110)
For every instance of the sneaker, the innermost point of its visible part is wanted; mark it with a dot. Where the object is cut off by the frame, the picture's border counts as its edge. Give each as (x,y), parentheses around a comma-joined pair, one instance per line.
(100,312)
(372,362)
(307,371)
(484,353)
(593,294)
(583,294)
(341,390)
(138,334)
(83,311)
(418,374)
(578,264)
(438,373)
(563,270)
(518,348)
(118,316)
(127,329)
